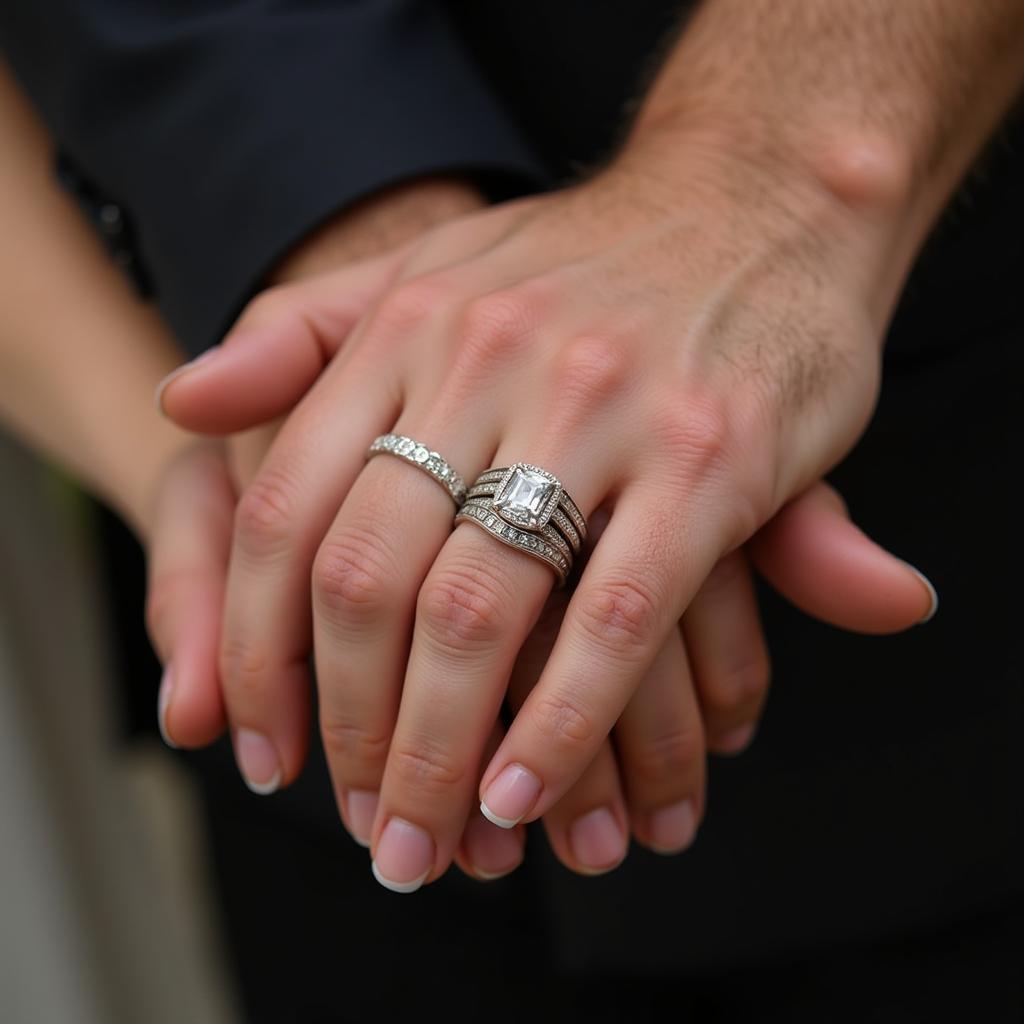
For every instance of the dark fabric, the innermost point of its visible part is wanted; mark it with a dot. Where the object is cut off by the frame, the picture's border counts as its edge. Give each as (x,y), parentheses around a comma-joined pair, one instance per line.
(226,131)
(316,940)
(879,809)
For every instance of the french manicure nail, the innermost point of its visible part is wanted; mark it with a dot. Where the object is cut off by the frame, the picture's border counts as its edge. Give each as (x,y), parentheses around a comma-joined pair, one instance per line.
(491,851)
(405,855)
(510,796)
(596,840)
(672,828)
(258,761)
(933,596)
(735,741)
(180,371)
(162,701)
(362,809)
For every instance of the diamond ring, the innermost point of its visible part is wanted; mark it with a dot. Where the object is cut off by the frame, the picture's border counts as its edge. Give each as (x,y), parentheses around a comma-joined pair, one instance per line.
(421,456)
(527,508)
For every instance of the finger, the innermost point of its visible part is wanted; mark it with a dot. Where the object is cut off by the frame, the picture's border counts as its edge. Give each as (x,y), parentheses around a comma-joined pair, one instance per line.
(588,829)
(660,743)
(185,596)
(280,520)
(473,613)
(629,597)
(728,654)
(817,558)
(247,450)
(486,851)
(288,334)
(365,579)
(275,351)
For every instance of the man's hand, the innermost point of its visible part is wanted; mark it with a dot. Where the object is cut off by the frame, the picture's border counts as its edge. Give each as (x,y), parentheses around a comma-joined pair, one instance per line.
(658,750)
(688,340)
(627,338)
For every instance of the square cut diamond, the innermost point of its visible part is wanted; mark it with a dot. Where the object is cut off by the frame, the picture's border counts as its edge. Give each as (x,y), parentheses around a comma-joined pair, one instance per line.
(526,496)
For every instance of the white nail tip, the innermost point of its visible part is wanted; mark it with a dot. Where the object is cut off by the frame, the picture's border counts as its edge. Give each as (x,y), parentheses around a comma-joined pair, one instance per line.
(364,843)
(931,590)
(161,720)
(175,374)
(495,820)
(490,876)
(265,788)
(398,886)
(164,735)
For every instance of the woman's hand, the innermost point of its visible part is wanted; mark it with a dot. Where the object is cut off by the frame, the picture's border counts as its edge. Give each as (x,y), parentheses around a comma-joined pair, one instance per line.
(810,551)
(685,363)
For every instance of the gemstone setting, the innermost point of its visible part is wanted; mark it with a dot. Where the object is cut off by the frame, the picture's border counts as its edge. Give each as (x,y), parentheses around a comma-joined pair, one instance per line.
(527,496)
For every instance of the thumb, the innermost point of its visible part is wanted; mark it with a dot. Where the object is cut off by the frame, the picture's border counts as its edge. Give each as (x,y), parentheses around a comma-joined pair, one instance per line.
(812,554)
(188,560)
(275,351)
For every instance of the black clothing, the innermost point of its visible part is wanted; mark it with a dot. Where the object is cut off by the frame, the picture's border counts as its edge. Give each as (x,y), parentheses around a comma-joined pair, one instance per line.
(881,799)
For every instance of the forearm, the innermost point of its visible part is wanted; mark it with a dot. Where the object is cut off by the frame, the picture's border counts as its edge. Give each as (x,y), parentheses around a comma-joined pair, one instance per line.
(79,354)
(881,106)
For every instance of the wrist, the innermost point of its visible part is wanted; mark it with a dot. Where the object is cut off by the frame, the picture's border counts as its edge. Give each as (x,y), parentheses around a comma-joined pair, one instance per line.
(384,220)
(850,194)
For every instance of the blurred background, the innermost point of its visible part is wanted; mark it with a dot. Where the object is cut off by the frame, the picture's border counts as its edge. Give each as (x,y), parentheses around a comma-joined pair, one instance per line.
(105,911)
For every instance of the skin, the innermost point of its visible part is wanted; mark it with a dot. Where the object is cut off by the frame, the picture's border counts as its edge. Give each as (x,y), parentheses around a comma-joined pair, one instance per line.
(688,340)
(81,325)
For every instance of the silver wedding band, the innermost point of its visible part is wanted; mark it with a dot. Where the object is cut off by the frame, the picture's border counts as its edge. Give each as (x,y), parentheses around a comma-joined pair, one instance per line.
(423,458)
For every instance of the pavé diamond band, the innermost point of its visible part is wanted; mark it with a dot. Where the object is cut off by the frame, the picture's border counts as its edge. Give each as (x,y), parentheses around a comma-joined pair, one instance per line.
(423,458)
(527,507)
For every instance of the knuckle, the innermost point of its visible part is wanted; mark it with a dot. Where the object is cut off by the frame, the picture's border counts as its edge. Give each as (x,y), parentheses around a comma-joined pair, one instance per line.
(742,685)
(494,325)
(668,754)
(619,615)
(694,432)
(265,513)
(270,304)
(354,575)
(563,722)
(592,370)
(244,669)
(426,768)
(410,304)
(165,595)
(460,608)
(345,740)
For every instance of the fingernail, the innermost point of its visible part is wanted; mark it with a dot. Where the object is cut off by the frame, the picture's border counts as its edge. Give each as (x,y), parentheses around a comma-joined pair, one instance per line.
(362,809)
(596,840)
(933,596)
(258,761)
(491,851)
(163,699)
(735,741)
(405,855)
(510,796)
(183,369)
(672,828)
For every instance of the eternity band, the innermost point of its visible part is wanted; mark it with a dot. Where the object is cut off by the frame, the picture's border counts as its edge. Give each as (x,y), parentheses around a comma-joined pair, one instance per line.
(421,457)
(558,517)
(480,513)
